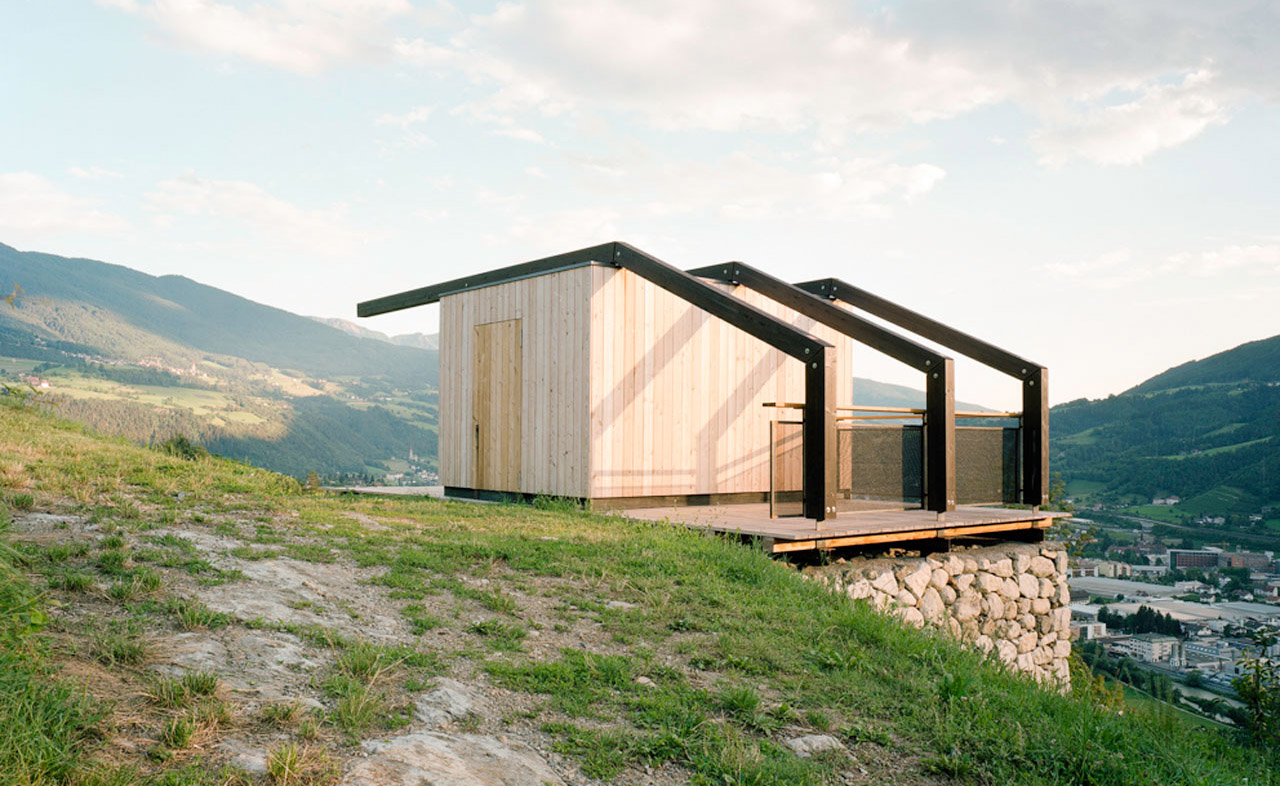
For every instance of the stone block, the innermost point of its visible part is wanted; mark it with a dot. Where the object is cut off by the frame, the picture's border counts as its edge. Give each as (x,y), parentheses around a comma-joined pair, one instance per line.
(1022,563)
(995,606)
(966,608)
(1062,648)
(918,579)
(886,583)
(989,582)
(1047,588)
(1003,568)
(859,589)
(906,598)
(1007,650)
(912,616)
(948,594)
(1010,590)
(1041,567)
(964,581)
(1028,585)
(1040,606)
(931,605)
(1061,619)
(939,579)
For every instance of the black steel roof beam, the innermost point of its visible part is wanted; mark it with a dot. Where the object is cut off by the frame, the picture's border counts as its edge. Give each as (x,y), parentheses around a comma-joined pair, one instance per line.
(931,329)
(601,254)
(744,316)
(894,345)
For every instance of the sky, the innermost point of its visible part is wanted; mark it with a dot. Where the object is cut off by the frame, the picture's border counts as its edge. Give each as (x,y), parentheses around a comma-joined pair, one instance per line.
(1092,185)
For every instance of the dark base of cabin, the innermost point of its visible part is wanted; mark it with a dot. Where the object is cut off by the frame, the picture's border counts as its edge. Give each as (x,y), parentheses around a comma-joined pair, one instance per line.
(615,503)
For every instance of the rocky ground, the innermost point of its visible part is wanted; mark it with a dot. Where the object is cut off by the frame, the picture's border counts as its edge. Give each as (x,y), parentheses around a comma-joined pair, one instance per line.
(276,616)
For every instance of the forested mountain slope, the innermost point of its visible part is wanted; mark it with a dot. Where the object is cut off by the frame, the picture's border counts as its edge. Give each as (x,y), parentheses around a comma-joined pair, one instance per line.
(1208,427)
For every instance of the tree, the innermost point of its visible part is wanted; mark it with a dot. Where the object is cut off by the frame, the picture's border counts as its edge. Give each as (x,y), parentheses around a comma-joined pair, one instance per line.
(1259,689)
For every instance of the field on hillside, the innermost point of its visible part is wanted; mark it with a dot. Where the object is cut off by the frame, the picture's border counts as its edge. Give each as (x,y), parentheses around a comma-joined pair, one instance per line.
(283,421)
(202,622)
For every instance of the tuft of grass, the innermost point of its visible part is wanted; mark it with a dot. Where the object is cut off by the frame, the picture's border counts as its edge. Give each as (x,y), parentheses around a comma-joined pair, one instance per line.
(22,501)
(420,620)
(142,581)
(292,764)
(177,733)
(193,615)
(119,644)
(71,580)
(113,562)
(500,636)
(281,713)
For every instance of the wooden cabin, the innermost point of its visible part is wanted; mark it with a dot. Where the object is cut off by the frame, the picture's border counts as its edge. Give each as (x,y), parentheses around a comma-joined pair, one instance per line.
(609,376)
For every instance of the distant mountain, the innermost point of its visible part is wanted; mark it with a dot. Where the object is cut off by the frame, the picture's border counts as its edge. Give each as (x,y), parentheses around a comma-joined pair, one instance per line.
(152,356)
(870,393)
(1207,431)
(1256,361)
(419,340)
(131,314)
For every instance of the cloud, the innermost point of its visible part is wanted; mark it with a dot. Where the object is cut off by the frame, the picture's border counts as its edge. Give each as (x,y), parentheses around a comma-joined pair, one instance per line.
(279,223)
(1108,82)
(33,206)
(303,36)
(1163,116)
(756,65)
(410,136)
(1118,269)
(1233,258)
(1094,75)
(744,187)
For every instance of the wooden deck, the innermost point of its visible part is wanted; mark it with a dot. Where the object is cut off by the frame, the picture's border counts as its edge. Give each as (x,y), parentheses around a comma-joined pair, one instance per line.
(860,528)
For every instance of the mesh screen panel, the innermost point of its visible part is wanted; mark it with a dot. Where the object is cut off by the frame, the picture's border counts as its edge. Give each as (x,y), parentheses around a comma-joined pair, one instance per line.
(881,462)
(786,468)
(986,465)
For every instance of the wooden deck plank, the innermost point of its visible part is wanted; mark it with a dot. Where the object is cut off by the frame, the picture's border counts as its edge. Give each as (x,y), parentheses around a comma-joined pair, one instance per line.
(855,528)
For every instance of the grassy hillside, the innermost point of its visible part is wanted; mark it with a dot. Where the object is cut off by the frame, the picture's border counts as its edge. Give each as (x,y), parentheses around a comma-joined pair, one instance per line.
(1207,431)
(616,650)
(150,358)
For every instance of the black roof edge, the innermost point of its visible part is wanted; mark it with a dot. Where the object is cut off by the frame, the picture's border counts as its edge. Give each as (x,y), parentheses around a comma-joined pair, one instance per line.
(986,353)
(601,254)
(877,337)
(747,318)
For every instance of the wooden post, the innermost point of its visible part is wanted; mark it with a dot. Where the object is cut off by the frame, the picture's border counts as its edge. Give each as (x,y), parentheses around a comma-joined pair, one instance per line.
(1035,438)
(940,437)
(819,432)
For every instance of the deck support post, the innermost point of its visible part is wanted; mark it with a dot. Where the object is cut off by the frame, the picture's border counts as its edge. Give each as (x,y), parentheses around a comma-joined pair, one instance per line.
(819,434)
(1035,437)
(940,437)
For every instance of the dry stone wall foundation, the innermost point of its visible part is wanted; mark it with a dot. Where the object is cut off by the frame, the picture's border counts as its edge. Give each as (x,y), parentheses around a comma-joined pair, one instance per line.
(1010,600)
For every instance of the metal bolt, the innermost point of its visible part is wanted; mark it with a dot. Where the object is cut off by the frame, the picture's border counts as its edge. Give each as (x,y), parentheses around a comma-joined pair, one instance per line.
(815,365)
(935,375)
(806,350)
(1031,382)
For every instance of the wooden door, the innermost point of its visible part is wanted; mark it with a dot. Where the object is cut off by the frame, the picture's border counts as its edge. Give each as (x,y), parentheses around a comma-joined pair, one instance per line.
(496,402)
